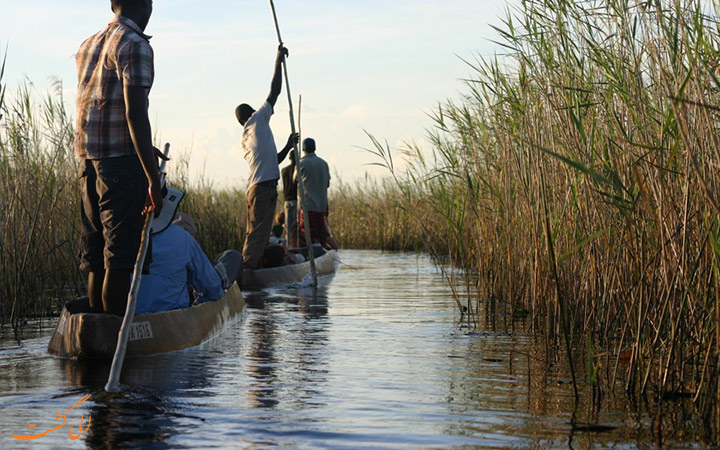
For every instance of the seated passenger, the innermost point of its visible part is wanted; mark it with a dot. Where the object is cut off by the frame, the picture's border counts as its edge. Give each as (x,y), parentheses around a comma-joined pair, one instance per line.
(272,255)
(178,261)
(279,227)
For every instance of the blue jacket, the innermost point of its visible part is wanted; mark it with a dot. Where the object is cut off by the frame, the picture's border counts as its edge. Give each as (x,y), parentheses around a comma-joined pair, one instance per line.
(177,260)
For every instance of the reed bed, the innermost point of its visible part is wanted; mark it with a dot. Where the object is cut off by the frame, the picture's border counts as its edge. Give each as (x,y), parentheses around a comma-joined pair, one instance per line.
(578,180)
(37,207)
(219,213)
(372,215)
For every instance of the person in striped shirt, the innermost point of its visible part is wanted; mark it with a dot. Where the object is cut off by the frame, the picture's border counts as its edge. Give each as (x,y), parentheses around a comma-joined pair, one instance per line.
(118,167)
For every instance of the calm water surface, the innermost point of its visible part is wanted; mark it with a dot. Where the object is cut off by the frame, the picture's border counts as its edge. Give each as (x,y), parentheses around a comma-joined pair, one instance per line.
(374,359)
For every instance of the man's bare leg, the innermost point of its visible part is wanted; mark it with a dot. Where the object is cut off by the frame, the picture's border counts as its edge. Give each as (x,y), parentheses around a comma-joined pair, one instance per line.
(115,291)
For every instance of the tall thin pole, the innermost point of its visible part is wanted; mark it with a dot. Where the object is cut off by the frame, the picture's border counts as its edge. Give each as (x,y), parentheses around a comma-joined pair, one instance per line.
(124,334)
(301,187)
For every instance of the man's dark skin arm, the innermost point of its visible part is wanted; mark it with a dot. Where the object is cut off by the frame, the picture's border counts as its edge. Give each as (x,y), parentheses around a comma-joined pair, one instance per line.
(136,112)
(276,83)
(291,142)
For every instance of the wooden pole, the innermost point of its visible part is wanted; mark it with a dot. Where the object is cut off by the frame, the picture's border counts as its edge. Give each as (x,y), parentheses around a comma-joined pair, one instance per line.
(301,190)
(124,334)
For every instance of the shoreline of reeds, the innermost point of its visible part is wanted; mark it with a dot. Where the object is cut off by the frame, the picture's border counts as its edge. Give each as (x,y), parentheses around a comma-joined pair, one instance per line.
(578,180)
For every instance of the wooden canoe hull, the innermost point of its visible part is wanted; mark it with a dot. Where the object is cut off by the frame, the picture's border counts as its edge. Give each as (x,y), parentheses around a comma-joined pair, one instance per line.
(85,335)
(291,274)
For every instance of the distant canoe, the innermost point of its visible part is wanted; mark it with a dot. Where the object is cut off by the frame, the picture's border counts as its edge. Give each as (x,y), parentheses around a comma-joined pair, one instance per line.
(82,335)
(326,263)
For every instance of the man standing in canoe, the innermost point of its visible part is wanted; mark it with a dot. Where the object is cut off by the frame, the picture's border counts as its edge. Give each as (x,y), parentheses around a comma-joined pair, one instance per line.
(118,170)
(315,176)
(261,154)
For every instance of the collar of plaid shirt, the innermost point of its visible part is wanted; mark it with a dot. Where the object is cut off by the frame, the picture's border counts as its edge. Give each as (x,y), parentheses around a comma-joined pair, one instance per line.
(122,20)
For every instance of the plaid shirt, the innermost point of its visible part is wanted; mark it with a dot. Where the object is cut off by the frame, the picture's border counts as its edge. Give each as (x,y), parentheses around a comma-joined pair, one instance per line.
(117,56)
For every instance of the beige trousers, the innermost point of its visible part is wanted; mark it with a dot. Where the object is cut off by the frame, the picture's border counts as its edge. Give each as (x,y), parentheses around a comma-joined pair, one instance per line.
(261,200)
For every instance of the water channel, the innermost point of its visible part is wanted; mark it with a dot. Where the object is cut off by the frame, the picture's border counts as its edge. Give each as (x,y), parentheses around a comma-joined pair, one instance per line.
(376,358)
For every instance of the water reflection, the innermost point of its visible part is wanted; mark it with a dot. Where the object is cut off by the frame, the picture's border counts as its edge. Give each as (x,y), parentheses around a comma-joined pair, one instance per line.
(312,357)
(262,363)
(287,351)
(147,411)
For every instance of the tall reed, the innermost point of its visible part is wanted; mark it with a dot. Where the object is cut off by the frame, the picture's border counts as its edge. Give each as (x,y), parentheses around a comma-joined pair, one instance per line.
(578,179)
(371,214)
(38,207)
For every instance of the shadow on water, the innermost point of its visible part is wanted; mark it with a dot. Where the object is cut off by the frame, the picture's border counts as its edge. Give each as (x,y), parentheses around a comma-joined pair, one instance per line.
(272,357)
(156,402)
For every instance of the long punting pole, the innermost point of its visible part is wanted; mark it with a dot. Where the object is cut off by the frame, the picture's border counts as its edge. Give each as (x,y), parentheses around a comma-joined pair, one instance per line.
(123,335)
(301,187)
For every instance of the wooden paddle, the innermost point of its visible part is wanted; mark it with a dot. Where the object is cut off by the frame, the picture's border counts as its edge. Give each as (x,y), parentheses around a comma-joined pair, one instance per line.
(301,187)
(124,334)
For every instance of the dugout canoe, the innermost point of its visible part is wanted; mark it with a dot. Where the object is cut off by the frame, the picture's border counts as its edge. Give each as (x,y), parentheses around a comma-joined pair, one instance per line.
(83,335)
(326,262)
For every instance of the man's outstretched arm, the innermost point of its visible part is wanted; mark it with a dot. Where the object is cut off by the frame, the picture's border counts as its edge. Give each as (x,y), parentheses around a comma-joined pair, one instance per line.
(276,83)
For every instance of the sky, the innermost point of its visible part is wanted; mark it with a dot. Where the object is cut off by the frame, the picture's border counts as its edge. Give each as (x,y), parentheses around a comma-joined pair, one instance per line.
(375,66)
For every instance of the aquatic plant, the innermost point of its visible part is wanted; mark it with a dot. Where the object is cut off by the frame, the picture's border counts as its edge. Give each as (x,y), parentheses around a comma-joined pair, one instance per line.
(372,215)
(577,180)
(37,205)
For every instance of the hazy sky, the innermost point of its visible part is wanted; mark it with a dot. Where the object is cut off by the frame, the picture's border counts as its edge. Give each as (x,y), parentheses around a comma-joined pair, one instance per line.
(372,65)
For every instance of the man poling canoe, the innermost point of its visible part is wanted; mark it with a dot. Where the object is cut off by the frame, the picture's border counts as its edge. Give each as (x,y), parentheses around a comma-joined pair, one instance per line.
(119,175)
(261,155)
(119,172)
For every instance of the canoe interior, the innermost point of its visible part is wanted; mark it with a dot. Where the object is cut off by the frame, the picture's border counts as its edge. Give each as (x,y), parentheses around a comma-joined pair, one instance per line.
(318,251)
(326,262)
(83,335)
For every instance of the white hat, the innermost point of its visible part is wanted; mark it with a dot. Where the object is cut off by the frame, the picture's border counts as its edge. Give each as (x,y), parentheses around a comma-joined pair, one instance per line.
(171,201)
